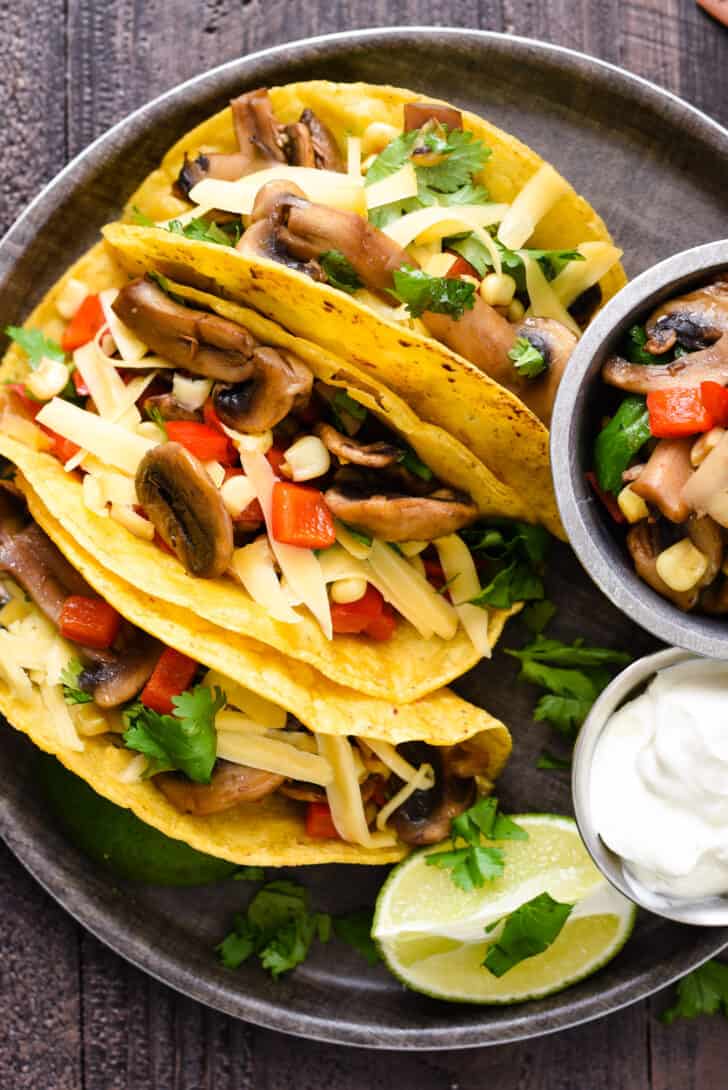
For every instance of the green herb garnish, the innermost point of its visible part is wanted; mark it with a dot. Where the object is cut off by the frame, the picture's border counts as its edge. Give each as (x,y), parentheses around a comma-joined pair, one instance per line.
(442,295)
(346,404)
(618,442)
(249,874)
(141,219)
(551,762)
(35,345)
(69,678)
(410,461)
(155,415)
(202,231)
(526,358)
(703,991)
(470,867)
(340,272)
(185,740)
(355,928)
(515,553)
(528,931)
(537,615)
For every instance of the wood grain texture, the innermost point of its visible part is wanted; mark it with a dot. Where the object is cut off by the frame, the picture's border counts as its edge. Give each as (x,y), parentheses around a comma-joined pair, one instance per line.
(74,1015)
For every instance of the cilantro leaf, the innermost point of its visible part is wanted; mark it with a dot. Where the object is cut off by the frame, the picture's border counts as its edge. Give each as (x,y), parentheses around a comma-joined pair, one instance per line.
(565,713)
(619,441)
(515,583)
(202,231)
(420,292)
(141,219)
(355,928)
(703,991)
(277,926)
(347,404)
(393,157)
(249,874)
(543,649)
(69,677)
(515,552)
(340,273)
(410,461)
(35,345)
(552,762)
(472,866)
(537,615)
(466,194)
(385,214)
(464,156)
(185,740)
(526,358)
(634,346)
(528,931)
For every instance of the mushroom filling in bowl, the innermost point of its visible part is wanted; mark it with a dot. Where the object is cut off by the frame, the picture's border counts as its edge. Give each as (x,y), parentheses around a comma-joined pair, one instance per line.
(661,458)
(190,433)
(207,742)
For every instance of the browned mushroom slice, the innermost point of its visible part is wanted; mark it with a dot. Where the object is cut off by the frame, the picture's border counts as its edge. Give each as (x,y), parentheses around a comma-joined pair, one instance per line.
(326,152)
(113,678)
(280,384)
(643,542)
(186,509)
(202,343)
(300,146)
(426,815)
(394,517)
(303,792)
(227,168)
(555,343)
(230,785)
(694,321)
(372,455)
(708,365)
(662,480)
(169,408)
(416,114)
(706,536)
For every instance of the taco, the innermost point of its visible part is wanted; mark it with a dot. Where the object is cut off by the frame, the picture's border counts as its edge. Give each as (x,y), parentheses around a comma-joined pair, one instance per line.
(195,752)
(409,235)
(275,493)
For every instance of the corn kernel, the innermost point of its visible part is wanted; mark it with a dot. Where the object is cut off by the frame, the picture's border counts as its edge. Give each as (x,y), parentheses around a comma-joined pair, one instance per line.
(237,493)
(308,458)
(71,296)
(632,506)
(498,289)
(702,447)
(376,137)
(682,566)
(516,310)
(345,591)
(48,379)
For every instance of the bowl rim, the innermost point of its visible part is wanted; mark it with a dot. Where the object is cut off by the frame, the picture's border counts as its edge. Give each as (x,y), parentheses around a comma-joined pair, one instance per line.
(603,559)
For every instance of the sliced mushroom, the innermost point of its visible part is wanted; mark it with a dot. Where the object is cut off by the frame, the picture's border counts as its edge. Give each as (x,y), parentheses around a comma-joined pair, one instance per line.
(662,480)
(186,509)
(169,408)
(372,455)
(230,785)
(426,815)
(555,343)
(706,491)
(416,114)
(391,516)
(303,792)
(326,154)
(202,343)
(693,321)
(113,678)
(643,542)
(37,564)
(280,384)
(708,365)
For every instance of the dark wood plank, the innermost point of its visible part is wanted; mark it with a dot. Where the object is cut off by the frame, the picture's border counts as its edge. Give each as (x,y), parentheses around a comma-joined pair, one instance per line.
(703,68)
(40,1039)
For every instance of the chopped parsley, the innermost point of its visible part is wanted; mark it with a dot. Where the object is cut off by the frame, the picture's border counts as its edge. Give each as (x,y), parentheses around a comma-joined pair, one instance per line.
(528,931)
(513,554)
(340,272)
(473,865)
(537,615)
(463,156)
(526,358)
(393,157)
(573,675)
(346,404)
(619,441)
(277,926)
(155,415)
(634,346)
(202,231)
(69,678)
(141,219)
(551,762)
(355,928)
(442,295)
(185,740)
(410,461)
(35,345)
(703,991)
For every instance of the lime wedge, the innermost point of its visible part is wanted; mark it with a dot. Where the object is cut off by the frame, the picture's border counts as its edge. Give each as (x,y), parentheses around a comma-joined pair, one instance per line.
(432,934)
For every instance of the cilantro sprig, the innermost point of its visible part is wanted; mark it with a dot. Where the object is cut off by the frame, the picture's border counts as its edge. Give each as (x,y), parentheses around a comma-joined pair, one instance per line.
(355,929)
(36,345)
(703,991)
(528,361)
(528,931)
(185,740)
(277,926)
(69,678)
(340,273)
(473,865)
(512,554)
(198,229)
(440,294)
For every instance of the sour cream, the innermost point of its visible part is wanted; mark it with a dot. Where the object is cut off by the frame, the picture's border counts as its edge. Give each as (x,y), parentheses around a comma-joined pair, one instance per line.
(659,782)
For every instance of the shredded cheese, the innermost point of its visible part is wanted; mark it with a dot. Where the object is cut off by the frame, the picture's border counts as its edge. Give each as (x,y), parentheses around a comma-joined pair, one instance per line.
(273,755)
(538,196)
(329,187)
(343,792)
(544,301)
(11,669)
(112,443)
(422,780)
(353,157)
(263,711)
(130,347)
(60,717)
(411,594)
(399,186)
(463,584)
(389,756)
(253,566)
(133,771)
(348,541)
(438,222)
(579,276)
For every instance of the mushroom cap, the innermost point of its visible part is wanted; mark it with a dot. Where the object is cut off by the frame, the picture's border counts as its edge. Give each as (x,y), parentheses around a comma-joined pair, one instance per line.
(230,784)
(186,509)
(424,818)
(394,517)
(280,383)
(377,455)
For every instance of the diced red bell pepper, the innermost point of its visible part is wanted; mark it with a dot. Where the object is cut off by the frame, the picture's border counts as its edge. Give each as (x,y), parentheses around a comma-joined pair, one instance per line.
(352,618)
(434,572)
(62,448)
(81,388)
(607,498)
(382,628)
(319,823)
(204,442)
(26,403)
(276,457)
(715,398)
(171,676)
(91,622)
(461,267)
(301,517)
(677,411)
(210,416)
(85,324)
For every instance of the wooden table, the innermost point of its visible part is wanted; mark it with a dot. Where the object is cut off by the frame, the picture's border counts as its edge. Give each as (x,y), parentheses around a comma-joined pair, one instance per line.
(72,1014)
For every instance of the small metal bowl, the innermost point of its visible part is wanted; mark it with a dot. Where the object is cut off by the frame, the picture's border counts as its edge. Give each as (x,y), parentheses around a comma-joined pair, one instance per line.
(595,538)
(704,912)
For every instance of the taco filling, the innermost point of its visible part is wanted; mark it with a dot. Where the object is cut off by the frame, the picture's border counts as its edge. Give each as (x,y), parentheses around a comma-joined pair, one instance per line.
(189,432)
(403,221)
(207,743)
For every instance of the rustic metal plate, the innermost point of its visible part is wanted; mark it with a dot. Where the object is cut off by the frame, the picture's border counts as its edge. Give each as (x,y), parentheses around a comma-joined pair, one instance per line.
(655,168)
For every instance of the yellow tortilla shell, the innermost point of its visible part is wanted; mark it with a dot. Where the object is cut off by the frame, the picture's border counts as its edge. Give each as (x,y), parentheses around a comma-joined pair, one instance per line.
(440,386)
